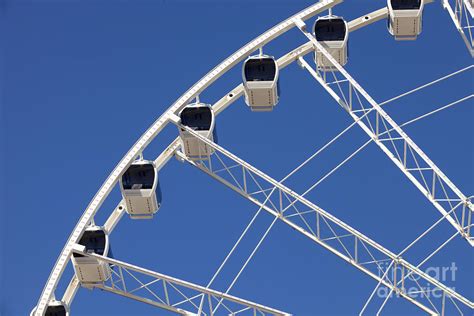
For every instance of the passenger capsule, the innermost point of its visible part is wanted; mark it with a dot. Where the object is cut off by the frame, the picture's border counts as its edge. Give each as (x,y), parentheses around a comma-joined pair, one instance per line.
(200,118)
(141,190)
(332,33)
(405,18)
(90,270)
(260,75)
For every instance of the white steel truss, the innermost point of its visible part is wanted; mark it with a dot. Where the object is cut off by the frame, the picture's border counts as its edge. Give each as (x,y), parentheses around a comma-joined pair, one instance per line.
(462,14)
(48,292)
(325,229)
(172,294)
(395,143)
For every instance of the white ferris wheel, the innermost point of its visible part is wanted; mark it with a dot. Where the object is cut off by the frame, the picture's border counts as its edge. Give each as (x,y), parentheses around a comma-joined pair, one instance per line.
(323,57)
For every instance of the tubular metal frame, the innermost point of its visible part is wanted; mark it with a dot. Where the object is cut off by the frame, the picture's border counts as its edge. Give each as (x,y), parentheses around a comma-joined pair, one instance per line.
(406,155)
(49,289)
(319,225)
(170,293)
(462,14)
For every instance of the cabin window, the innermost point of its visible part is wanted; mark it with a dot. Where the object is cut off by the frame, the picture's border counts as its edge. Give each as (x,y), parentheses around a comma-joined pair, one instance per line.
(406,4)
(141,176)
(330,30)
(260,69)
(199,118)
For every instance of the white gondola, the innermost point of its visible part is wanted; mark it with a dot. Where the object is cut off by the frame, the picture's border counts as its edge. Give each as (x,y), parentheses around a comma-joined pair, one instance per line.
(200,118)
(260,75)
(90,270)
(140,189)
(405,18)
(332,33)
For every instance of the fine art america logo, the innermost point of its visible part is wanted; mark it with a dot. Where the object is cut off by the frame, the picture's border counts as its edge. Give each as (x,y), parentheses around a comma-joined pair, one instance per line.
(445,274)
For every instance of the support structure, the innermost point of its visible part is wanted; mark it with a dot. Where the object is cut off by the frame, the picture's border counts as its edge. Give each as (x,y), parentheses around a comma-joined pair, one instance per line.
(352,252)
(395,143)
(462,14)
(323,228)
(173,294)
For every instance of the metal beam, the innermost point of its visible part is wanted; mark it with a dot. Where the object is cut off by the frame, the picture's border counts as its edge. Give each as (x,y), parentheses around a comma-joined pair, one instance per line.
(380,120)
(169,299)
(286,199)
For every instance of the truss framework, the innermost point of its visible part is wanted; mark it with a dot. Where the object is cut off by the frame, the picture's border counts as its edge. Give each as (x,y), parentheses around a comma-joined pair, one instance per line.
(325,229)
(462,14)
(173,294)
(154,130)
(395,143)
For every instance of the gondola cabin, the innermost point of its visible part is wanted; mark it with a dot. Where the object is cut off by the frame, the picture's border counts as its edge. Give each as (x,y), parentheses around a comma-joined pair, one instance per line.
(405,18)
(260,77)
(56,308)
(140,189)
(200,118)
(90,270)
(332,33)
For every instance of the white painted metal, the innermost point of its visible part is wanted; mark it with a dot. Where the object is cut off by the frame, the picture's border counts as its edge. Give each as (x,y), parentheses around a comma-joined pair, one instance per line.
(470,7)
(168,284)
(284,199)
(71,290)
(405,24)
(89,270)
(462,14)
(141,203)
(368,19)
(261,95)
(155,129)
(163,120)
(114,217)
(381,119)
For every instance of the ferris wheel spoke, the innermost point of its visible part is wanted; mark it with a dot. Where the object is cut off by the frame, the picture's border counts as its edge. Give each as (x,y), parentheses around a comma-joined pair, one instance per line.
(421,290)
(169,293)
(406,155)
(360,251)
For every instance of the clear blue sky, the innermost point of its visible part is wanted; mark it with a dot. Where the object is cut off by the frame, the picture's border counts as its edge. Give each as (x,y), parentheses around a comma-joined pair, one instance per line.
(82,80)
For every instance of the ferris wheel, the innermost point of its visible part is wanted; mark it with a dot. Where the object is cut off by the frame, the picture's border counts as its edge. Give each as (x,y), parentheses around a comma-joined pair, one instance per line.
(322,56)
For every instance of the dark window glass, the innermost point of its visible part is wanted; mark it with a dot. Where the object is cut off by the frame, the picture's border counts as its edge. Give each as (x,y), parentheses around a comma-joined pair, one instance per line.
(140,176)
(260,69)
(330,30)
(58,310)
(94,241)
(406,4)
(197,118)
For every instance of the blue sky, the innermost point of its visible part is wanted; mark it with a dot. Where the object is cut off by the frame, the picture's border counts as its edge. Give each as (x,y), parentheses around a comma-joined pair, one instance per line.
(82,80)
